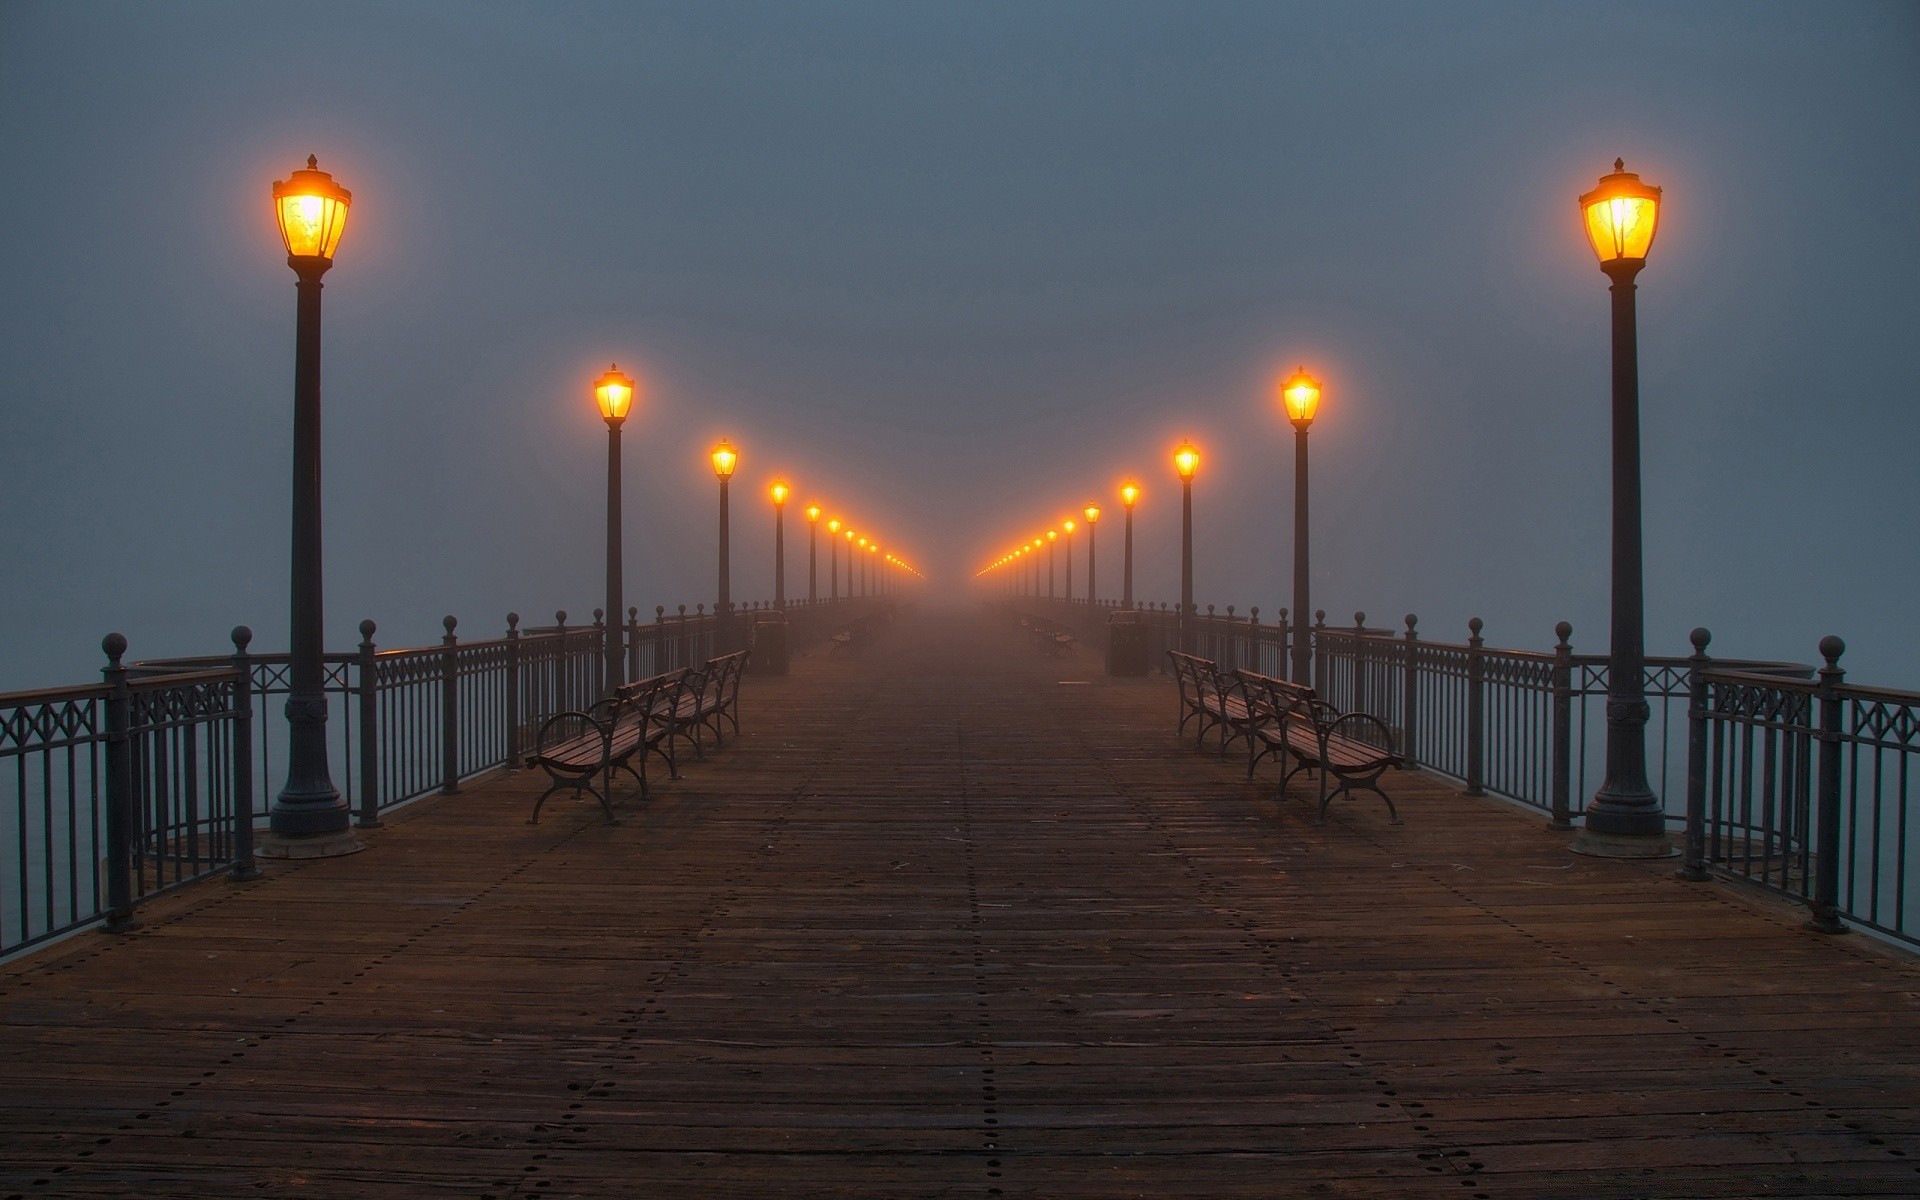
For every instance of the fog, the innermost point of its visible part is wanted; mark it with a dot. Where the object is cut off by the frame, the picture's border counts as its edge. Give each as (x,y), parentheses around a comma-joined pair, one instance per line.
(955,270)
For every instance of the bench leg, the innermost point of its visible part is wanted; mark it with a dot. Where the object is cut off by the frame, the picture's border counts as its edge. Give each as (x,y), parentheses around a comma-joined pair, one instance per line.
(1370,783)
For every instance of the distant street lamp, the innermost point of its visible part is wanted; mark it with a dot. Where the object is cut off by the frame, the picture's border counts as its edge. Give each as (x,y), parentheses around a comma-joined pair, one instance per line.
(813,555)
(613,392)
(1129,495)
(725,459)
(779,493)
(312,212)
(1067,527)
(833,559)
(1625,818)
(1301,395)
(863,569)
(849,564)
(1186,461)
(1092,513)
(1053,535)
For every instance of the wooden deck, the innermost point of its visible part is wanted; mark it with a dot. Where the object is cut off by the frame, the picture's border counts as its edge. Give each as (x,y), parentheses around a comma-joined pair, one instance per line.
(955,920)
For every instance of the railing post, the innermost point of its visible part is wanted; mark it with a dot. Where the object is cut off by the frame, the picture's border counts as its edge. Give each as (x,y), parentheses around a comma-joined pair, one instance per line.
(633,644)
(449,710)
(1359,662)
(602,629)
(1319,648)
(1694,865)
(1286,647)
(120,815)
(244,867)
(562,666)
(1410,696)
(662,650)
(369,698)
(513,691)
(1561,762)
(1826,864)
(1476,711)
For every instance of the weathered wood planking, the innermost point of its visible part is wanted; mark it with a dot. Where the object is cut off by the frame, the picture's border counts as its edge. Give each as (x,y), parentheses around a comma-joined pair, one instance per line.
(942,925)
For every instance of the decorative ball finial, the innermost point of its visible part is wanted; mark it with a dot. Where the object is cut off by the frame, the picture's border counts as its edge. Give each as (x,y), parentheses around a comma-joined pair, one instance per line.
(242,638)
(114,644)
(1411,622)
(513,620)
(366,629)
(448,622)
(560,616)
(313,163)
(1831,648)
(1475,625)
(1563,630)
(1700,637)
(1359,618)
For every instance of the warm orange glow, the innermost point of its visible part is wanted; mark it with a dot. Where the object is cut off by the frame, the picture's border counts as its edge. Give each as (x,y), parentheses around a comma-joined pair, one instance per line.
(724,459)
(614,392)
(863,543)
(833,526)
(1053,535)
(779,491)
(1186,460)
(1093,513)
(849,535)
(1129,493)
(1301,395)
(813,513)
(312,210)
(1068,526)
(1621,214)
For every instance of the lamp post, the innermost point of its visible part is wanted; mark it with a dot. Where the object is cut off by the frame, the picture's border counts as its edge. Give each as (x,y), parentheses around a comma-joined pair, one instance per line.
(312,212)
(614,394)
(813,553)
(862,542)
(1625,819)
(1301,396)
(1092,514)
(1067,526)
(725,459)
(779,493)
(1053,535)
(1186,461)
(1129,493)
(849,564)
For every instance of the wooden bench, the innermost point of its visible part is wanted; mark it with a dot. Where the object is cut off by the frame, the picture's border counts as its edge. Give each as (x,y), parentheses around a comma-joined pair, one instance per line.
(1047,636)
(709,697)
(1211,700)
(577,748)
(848,638)
(1289,722)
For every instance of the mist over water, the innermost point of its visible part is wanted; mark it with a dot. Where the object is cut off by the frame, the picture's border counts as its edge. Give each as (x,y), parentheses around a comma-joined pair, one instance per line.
(954,271)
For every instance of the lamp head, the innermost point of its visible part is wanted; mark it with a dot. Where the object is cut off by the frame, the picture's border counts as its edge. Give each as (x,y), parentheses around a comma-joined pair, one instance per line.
(725,459)
(1301,396)
(614,394)
(1068,526)
(1186,461)
(1129,493)
(813,514)
(1621,214)
(1092,513)
(312,211)
(779,491)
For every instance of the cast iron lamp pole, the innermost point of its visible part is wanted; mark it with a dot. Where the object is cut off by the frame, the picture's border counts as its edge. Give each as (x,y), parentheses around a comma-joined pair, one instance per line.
(1129,493)
(1625,818)
(779,493)
(849,564)
(1092,513)
(614,393)
(1301,395)
(833,559)
(1067,526)
(725,459)
(1053,535)
(813,554)
(312,212)
(1186,460)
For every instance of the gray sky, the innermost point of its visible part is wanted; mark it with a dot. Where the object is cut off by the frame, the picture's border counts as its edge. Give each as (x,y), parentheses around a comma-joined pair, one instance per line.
(955,269)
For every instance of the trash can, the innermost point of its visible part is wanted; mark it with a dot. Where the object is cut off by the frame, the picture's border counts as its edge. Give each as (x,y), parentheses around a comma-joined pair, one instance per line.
(769,643)
(1126,643)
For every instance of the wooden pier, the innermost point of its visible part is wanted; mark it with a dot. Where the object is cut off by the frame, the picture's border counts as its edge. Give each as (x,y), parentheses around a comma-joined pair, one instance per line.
(953,919)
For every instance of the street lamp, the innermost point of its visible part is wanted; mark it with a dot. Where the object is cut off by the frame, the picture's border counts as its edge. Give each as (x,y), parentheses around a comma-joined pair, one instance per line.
(312,212)
(779,493)
(863,570)
(1129,494)
(1067,526)
(725,459)
(1625,819)
(613,392)
(1092,513)
(1186,461)
(1053,535)
(1301,397)
(813,556)
(833,559)
(849,564)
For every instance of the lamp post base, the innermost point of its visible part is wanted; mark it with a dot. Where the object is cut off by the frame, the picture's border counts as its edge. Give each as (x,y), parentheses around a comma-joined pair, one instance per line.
(312,845)
(1624,845)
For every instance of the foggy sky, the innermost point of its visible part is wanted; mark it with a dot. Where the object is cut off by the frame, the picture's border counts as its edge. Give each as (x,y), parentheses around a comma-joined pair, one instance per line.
(955,269)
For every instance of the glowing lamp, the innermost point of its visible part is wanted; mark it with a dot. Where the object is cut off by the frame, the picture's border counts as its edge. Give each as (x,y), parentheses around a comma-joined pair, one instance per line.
(1053,535)
(1621,214)
(312,210)
(1186,460)
(1301,397)
(724,459)
(779,491)
(833,526)
(849,535)
(813,513)
(1068,526)
(1129,493)
(614,392)
(1093,512)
